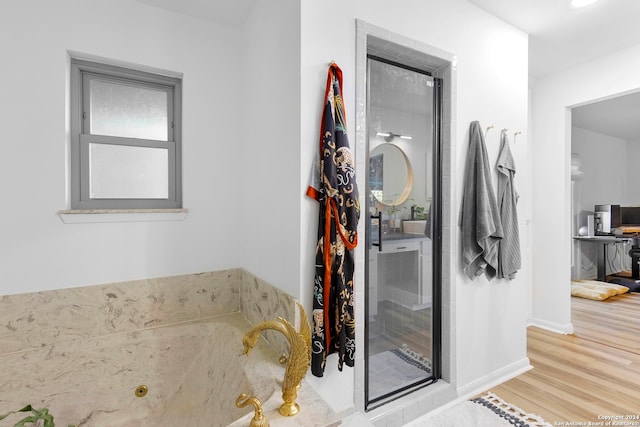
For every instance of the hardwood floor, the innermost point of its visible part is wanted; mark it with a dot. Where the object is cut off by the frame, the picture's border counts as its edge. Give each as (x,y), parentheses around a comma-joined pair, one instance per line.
(593,372)
(396,326)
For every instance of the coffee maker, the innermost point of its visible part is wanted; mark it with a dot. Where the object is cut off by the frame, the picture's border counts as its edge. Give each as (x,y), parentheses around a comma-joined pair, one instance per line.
(606,219)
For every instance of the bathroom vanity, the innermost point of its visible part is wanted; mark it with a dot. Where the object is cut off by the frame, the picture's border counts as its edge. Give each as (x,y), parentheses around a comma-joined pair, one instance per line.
(400,272)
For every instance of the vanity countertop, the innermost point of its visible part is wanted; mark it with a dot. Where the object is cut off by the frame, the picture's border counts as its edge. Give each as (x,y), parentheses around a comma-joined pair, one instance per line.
(401,236)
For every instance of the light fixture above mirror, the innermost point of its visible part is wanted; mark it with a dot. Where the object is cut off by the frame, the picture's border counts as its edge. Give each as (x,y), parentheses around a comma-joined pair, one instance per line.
(390,136)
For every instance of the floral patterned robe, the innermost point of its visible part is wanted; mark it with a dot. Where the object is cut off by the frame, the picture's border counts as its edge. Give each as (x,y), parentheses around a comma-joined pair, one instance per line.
(336,191)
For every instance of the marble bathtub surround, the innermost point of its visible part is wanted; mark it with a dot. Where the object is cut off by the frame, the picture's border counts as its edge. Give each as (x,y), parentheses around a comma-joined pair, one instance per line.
(46,318)
(41,319)
(82,352)
(194,371)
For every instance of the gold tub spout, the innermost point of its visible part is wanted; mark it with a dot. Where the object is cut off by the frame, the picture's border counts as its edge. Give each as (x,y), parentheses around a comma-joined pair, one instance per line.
(258,420)
(299,355)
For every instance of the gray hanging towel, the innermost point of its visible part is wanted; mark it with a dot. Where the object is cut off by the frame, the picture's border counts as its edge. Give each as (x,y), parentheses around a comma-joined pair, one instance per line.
(480,219)
(509,261)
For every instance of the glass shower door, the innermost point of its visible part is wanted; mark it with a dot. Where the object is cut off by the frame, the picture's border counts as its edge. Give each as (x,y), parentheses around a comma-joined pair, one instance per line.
(402,136)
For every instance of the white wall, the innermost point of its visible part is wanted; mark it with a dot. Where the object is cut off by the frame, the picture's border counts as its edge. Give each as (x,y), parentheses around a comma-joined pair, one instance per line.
(551,155)
(267,174)
(269,165)
(492,88)
(38,251)
(633,172)
(605,173)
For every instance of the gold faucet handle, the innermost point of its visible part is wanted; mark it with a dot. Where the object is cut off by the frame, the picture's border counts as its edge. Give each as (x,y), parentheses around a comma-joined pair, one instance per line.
(259,419)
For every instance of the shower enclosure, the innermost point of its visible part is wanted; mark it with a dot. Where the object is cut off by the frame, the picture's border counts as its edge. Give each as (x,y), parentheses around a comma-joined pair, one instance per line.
(403,230)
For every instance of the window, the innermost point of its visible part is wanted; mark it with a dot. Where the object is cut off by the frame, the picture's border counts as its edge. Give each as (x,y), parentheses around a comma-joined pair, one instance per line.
(125,138)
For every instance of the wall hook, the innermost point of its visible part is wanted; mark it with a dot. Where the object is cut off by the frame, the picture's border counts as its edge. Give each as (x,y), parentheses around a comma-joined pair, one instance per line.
(488,129)
(516,134)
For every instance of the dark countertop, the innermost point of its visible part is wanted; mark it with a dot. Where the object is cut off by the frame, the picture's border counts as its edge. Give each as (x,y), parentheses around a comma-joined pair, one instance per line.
(400,236)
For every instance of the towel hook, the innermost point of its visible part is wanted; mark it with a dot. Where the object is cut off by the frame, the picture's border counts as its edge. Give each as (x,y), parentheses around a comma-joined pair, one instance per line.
(516,134)
(488,129)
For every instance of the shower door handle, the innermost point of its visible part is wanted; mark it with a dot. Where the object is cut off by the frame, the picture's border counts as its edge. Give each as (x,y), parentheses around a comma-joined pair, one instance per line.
(379,244)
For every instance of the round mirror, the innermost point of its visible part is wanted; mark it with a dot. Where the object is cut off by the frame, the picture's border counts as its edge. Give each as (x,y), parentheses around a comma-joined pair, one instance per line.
(390,174)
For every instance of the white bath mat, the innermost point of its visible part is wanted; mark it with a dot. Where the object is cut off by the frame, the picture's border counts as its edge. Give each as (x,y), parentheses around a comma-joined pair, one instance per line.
(394,369)
(486,411)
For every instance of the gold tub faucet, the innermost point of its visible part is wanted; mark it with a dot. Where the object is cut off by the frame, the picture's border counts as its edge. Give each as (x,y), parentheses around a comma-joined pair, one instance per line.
(258,420)
(299,355)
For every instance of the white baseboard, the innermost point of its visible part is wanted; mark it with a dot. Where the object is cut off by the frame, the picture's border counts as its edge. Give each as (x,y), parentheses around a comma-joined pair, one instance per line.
(565,329)
(495,378)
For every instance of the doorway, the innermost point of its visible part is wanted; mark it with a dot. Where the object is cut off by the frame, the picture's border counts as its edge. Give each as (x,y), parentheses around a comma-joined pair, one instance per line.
(605,143)
(402,322)
(379,42)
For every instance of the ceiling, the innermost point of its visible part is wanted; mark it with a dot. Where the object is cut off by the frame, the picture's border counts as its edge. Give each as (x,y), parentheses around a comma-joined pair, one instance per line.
(561,37)
(232,13)
(618,117)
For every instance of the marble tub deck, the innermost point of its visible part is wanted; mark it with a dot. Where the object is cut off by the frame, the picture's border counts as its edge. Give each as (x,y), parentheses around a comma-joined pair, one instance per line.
(194,372)
(81,352)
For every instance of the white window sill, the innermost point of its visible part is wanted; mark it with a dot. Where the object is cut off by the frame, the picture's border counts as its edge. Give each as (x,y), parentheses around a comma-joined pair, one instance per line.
(121,215)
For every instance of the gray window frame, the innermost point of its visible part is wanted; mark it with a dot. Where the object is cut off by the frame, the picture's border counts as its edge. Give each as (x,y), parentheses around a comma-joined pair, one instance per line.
(81,73)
